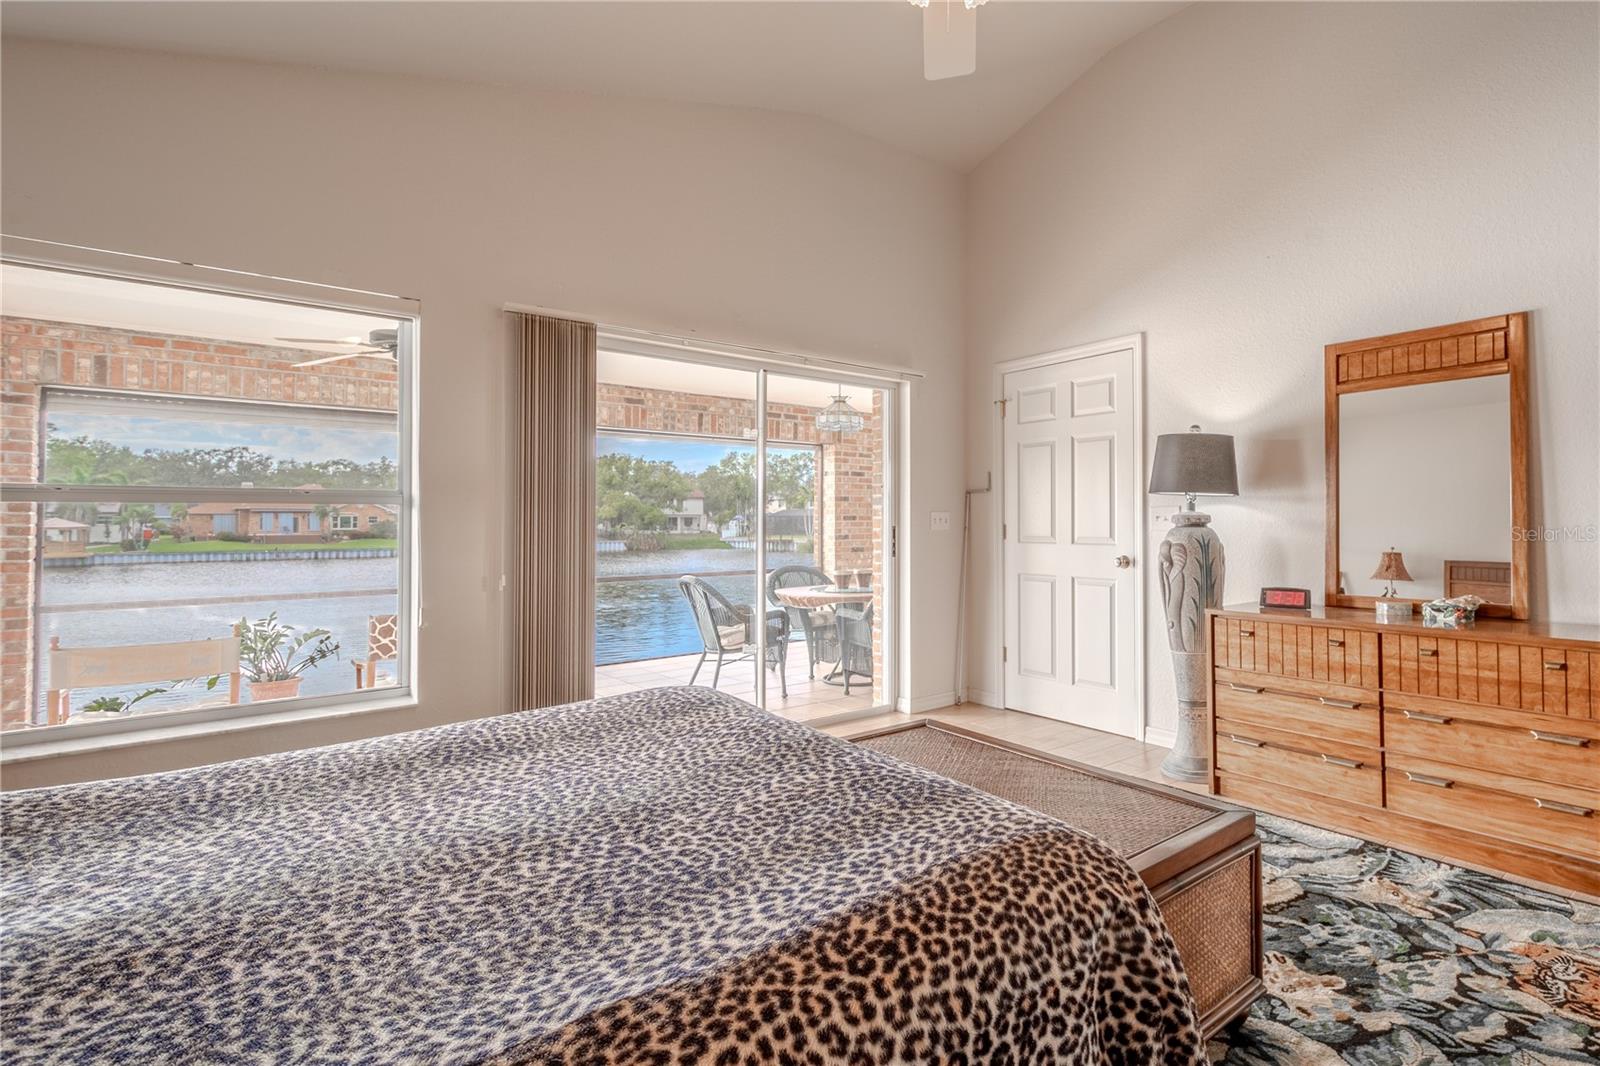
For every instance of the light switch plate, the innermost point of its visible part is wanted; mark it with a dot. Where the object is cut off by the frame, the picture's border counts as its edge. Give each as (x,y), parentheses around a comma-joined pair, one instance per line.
(940,520)
(1161,513)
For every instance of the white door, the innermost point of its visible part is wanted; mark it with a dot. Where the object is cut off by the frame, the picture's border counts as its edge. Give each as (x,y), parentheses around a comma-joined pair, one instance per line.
(1069,541)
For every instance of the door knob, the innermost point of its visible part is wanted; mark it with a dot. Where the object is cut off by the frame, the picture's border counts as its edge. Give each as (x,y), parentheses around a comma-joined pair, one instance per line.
(1122,562)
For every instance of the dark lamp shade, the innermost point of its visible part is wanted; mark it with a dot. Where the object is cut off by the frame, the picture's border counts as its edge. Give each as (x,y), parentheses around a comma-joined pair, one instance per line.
(1194,462)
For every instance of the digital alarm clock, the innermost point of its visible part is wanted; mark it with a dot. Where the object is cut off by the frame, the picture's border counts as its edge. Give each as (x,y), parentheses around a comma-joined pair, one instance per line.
(1286,599)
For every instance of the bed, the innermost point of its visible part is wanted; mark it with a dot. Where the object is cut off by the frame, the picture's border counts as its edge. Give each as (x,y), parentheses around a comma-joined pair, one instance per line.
(666,876)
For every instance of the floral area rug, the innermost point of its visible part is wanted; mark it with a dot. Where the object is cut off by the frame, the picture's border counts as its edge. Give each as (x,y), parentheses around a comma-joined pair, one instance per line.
(1375,956)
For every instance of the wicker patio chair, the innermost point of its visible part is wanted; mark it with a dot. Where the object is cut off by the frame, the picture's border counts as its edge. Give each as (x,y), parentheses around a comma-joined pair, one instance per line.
(729,630)
(822,637)
(855,642)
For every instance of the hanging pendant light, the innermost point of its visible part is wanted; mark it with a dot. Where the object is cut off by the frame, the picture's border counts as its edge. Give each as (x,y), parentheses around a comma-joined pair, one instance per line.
(840,417)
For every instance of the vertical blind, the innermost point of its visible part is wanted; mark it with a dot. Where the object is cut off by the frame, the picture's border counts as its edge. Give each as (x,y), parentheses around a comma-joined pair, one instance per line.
(553,656)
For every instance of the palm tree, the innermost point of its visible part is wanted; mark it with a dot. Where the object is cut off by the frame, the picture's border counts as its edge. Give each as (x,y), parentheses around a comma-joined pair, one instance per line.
(87,474)
(135,516)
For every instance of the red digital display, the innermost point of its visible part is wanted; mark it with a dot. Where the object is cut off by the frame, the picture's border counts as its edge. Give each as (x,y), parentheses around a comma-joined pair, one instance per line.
(1277,597)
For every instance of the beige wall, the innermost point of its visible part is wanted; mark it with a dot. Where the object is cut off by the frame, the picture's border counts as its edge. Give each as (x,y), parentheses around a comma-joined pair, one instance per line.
(1246,183)
(742,226)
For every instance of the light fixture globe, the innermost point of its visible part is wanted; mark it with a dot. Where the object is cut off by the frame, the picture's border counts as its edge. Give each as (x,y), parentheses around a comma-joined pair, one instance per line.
(840,417)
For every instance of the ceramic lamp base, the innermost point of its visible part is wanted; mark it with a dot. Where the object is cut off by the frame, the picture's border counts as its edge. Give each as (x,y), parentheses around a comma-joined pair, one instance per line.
(1394,610)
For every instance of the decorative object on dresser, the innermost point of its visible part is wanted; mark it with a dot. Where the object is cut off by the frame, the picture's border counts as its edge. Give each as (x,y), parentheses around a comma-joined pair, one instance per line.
(1392,568)
(1286,599)
(1192,570)
(1480,746)
(1427,446)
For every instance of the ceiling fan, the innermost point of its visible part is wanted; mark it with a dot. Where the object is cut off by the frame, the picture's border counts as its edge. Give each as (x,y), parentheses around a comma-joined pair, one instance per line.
(949,37)
(379,344)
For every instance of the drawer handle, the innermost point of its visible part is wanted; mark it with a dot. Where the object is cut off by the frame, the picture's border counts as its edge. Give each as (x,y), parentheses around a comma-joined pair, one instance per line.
(1247,632)
(1428,779)
(1338,761)
(1424,716)
(1564,808)
(1348,705)
(1246,741)
(1554,666)
(1560,738)
(1427,653)
(1253,689)
(1335,642)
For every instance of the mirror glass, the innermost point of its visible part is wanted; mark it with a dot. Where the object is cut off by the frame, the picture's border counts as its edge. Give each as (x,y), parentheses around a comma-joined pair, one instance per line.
(1425,470)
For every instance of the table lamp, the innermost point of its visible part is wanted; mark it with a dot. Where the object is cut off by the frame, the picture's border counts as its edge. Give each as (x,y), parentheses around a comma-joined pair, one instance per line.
(1392,568)
(1191,464)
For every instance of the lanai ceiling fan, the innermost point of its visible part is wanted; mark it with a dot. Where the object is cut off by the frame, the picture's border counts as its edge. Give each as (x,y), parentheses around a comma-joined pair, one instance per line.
(378,344)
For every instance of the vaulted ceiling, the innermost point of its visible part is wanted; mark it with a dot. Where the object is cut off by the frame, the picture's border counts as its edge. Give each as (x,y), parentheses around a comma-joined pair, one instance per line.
(854,62)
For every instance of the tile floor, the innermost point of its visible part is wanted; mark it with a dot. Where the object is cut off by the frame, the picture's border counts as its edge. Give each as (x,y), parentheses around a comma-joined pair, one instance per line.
(808,700)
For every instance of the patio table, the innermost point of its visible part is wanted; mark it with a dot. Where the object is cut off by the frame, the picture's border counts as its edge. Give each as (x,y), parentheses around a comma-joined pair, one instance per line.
(815,597)
(811,597)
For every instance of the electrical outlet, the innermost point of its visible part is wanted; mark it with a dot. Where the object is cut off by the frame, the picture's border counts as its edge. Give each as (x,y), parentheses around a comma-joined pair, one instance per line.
(940,520)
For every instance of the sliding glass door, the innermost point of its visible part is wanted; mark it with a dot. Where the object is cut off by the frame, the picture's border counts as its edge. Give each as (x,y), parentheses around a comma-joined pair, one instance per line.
(743,533)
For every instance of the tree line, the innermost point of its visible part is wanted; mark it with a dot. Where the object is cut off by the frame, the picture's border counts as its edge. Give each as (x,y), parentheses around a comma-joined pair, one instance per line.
(632,493)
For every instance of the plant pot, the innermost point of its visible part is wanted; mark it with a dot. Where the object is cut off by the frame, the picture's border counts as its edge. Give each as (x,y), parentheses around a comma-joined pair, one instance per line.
(261,691)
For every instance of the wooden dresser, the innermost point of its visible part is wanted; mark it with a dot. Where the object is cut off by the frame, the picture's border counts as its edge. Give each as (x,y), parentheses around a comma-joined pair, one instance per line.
(1479,745)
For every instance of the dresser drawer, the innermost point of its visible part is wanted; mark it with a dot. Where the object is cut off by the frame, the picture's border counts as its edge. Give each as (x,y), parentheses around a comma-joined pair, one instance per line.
(1336,713)
(1338,770)
(1520,744)
(1522,677)
(1498,805)
(1290,649)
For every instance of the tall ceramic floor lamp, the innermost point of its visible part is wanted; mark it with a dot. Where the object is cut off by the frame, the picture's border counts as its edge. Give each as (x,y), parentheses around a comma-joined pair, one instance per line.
(1191,464)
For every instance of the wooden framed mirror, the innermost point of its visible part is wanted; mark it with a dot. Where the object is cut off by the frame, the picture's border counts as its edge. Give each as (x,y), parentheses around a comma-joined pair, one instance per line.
(1426,435)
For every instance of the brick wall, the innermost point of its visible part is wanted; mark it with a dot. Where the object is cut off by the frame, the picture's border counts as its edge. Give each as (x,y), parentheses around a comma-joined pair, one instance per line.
(35,354)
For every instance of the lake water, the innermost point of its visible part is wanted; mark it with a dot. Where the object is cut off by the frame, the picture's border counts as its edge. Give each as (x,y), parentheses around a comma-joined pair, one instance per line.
(648,618)
(644,618)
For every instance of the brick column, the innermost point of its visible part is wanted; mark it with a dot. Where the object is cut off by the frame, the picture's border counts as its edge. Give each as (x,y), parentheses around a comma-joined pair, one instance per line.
(19,461)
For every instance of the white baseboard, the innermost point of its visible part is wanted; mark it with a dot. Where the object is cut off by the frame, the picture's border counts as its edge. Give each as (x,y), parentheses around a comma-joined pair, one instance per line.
(931,702)
(987,699)
(1163,737)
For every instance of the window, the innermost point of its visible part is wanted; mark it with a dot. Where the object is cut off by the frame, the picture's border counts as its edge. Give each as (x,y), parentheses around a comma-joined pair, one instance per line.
(174,513)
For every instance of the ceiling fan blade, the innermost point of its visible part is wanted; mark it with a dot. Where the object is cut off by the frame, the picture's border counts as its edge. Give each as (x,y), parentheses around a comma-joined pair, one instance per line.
(949,40)
(378,353)
(323,340)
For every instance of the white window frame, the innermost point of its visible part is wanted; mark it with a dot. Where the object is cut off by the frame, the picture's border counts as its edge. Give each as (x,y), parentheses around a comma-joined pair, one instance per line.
(33,742)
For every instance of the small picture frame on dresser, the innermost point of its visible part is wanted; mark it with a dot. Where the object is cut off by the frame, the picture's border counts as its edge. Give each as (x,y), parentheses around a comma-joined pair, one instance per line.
(1274,598)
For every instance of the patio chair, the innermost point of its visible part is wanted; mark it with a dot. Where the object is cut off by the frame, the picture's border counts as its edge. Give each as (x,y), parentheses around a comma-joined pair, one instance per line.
(128,664)
(822,638)
(728,630)
(383,643)
(855,642)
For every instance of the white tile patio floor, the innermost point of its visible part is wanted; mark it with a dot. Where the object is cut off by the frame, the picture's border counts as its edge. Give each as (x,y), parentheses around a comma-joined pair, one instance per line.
(808,700)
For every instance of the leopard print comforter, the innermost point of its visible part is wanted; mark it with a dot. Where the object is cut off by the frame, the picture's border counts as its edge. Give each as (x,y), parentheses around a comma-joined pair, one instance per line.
(664,877)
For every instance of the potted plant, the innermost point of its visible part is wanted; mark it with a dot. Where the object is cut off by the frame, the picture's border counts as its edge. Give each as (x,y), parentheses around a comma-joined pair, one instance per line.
(102,707)
(113,706)
(273,655)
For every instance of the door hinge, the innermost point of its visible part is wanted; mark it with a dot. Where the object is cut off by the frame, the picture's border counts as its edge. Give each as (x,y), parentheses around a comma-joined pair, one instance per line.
(1002,404)
(894,542)
(1005,654)
(1003,528)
